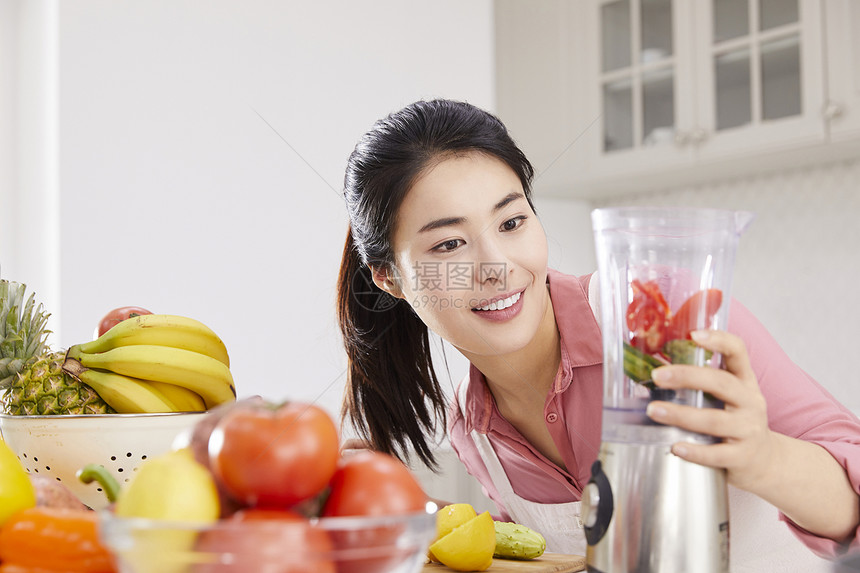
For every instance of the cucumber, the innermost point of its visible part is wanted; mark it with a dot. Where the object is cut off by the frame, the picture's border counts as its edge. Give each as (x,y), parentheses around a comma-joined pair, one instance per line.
(515,541)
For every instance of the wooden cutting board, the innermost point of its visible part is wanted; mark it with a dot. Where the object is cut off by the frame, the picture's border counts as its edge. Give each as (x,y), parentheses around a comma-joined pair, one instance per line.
(546,563)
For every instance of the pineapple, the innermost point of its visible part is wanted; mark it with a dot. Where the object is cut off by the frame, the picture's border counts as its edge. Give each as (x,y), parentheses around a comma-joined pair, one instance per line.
(22,330)
(32,381)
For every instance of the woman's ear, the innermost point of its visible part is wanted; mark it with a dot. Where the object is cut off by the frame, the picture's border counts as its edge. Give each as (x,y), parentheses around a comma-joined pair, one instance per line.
(384,280)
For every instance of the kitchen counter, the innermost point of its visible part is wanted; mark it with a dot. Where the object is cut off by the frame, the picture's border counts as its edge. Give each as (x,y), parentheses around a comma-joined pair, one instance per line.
(546,563)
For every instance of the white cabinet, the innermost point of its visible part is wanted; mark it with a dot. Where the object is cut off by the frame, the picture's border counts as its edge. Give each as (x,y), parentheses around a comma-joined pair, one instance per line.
(759,76)
(704,87)
(659,93)
(842,46)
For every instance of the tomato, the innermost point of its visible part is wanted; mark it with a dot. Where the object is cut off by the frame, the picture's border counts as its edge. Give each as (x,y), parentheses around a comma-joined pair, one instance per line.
(372,484)
(696,312)
(647,316)
(274,456)
(116,316)
(197,439)
(274,541)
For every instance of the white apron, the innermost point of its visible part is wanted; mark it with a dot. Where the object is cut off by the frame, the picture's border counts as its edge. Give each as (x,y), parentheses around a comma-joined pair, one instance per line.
(559,523)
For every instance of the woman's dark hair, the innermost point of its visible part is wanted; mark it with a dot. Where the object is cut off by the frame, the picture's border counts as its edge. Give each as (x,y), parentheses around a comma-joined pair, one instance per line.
(393,398)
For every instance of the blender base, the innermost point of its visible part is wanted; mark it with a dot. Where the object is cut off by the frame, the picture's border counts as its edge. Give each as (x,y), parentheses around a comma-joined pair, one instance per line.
(649,511)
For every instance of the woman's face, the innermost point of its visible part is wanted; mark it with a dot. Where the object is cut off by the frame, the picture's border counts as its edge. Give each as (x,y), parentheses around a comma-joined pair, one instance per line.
(471,255)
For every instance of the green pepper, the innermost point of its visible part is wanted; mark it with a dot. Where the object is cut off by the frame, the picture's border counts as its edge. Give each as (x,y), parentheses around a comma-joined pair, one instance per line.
(686,352)
(16,490)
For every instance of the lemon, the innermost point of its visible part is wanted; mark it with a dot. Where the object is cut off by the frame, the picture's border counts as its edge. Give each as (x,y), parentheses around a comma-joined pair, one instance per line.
(448,518)
(468,547)
(16,489)
(172,487)
(452,516)
(169,489)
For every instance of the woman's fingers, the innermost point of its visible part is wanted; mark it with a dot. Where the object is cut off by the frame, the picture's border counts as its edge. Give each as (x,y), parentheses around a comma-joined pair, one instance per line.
(736,385)
(354,445)
(732,348)
(722,385)
(712,455)
(747,443)
(710,421)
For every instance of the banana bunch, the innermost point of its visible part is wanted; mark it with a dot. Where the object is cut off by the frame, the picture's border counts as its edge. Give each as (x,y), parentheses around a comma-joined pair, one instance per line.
(155,363)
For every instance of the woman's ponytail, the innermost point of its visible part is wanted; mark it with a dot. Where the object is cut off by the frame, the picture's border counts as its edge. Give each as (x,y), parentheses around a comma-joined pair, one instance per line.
(393,398)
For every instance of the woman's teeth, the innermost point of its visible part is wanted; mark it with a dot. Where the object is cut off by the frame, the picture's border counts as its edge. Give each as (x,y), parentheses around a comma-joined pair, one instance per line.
(501,304)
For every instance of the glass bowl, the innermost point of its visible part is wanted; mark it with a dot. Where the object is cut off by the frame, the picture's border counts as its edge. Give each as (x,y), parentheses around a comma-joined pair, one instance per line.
(386,544)
(58,446)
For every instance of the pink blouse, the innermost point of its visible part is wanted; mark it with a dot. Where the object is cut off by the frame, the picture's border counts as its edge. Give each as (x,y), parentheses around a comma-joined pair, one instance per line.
(797,406)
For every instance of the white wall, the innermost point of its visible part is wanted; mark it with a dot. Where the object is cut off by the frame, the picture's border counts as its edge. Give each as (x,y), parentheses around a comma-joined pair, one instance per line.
(29,217)
(8,102)
(201,154)
(568,231)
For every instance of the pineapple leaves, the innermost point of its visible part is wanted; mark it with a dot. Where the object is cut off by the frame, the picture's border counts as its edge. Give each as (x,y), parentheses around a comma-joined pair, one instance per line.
(23,333)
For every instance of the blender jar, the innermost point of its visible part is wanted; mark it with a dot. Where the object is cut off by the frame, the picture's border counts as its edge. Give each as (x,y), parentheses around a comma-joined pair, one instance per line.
(663,272)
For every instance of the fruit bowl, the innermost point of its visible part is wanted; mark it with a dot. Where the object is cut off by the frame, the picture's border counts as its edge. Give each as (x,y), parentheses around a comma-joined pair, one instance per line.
(58,446)
(386,544)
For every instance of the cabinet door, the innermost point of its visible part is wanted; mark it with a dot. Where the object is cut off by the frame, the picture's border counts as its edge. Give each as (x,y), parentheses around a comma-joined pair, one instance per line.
(843,68)
(639,85)
(759,76)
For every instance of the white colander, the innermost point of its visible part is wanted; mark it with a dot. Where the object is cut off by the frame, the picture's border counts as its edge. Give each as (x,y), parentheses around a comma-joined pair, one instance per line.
(58,446)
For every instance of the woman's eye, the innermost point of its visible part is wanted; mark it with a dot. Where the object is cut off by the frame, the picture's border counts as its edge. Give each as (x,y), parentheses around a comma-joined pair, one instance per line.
(512,224)
(448,245)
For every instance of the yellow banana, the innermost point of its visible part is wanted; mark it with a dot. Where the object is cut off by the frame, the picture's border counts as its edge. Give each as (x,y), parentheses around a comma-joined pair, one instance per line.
(199,373)
(160,330)
(184,399)
(126,395)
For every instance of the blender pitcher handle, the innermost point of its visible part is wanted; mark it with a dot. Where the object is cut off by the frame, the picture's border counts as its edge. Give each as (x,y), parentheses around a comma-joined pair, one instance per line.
(599,505)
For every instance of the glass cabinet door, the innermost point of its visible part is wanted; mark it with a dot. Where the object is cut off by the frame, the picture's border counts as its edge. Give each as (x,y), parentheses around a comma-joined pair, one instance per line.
(686,86)
(638,70)
(756,58)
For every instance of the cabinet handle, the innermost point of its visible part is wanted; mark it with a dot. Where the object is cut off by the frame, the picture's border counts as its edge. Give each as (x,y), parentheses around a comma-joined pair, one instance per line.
(682,138)
(832,110)
(698,136)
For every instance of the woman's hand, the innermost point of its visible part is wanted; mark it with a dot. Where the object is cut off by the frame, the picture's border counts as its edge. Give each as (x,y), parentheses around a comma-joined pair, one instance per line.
(747,448)
(780,469)
(354,446)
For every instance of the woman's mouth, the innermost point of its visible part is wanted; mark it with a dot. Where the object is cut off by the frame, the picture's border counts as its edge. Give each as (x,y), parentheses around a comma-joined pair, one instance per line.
(501,304)
(501,309)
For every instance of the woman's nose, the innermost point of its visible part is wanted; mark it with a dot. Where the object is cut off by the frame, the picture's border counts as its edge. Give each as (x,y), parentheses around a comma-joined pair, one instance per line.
(492,265)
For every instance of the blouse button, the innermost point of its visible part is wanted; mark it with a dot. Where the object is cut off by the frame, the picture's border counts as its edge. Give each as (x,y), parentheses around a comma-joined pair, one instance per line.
(551,417)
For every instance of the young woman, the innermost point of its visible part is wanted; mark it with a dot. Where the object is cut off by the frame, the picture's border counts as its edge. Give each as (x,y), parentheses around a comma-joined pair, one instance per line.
(443,236)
